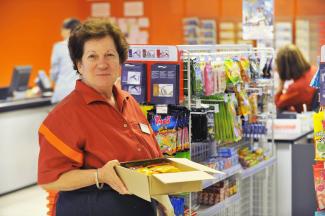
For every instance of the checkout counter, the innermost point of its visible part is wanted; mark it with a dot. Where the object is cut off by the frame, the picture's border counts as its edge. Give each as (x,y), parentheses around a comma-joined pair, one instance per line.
(295,156)
(19,123)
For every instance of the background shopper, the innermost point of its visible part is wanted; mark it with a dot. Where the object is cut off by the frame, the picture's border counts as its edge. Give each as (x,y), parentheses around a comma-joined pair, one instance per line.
(62,72)
(92,129)
(292,65)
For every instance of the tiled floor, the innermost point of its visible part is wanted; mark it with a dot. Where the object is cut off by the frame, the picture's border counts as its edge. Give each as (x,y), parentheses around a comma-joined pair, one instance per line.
(30,201)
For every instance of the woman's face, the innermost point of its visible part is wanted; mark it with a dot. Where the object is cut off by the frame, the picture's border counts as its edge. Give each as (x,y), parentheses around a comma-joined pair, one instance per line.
(100,66)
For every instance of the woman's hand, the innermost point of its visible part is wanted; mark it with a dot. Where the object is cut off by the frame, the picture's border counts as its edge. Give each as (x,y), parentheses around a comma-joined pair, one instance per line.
(281,86)
(107,175)
(164,206)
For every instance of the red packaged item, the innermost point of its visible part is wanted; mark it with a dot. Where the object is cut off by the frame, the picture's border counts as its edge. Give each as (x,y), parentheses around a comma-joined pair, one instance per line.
(319,180)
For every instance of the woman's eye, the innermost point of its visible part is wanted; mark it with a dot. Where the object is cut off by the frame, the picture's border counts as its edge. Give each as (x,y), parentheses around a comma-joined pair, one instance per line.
(110,54)
(91,56)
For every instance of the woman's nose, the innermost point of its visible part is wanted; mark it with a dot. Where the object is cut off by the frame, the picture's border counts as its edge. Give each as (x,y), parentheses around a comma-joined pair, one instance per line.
(102,62)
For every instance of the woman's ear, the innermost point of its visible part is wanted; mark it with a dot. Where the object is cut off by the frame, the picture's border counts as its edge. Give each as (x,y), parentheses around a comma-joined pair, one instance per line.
(80,67)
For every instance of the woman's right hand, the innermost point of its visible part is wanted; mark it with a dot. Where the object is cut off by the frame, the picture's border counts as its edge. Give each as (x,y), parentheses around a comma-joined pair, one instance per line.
(281,86)
(107,175)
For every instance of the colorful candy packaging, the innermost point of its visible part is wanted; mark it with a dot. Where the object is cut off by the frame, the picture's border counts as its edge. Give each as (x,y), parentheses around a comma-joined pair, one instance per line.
(208,79)
(232,71)
(319,135)
(164,127)
(171,130)
(244,69)
(198,69)
(219,77)
(244,106)
(319,180)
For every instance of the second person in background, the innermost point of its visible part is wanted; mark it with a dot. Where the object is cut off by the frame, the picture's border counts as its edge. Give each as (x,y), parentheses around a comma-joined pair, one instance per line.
(62,72)
(292,65)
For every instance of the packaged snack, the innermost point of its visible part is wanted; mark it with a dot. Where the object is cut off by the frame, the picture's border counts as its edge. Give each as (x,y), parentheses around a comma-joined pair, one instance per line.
(319,135)
(156,168)
(320,213)
(208,79)
(198,69)
(252,98)
(319,180)
(232,71)
(244,106)
(165,129)
(244,69)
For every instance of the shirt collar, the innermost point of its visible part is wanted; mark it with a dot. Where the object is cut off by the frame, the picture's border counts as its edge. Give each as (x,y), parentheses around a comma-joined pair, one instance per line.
(90,95)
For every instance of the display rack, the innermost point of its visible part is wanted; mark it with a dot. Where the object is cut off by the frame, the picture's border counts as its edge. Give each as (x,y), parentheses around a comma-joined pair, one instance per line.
(252,181)
(255,185)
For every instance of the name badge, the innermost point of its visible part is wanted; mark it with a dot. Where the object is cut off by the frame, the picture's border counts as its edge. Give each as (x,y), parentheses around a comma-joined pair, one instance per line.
(144,128)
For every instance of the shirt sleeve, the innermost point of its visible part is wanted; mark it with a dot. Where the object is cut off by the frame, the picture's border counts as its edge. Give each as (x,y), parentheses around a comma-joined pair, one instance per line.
(60,149)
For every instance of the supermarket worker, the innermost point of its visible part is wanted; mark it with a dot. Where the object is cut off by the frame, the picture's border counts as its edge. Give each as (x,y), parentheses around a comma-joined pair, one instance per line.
(62,72)
(97,125)
(292,65)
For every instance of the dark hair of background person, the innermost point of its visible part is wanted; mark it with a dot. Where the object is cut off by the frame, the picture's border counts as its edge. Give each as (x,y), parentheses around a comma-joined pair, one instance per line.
(291,63)
(70,23)
(96,29)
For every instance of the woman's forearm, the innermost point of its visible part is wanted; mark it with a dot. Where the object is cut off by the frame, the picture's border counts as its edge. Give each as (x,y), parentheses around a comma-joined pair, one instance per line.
(72,180)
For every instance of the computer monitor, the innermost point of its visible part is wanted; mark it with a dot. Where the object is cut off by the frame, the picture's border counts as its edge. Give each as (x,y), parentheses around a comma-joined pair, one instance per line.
(20,79)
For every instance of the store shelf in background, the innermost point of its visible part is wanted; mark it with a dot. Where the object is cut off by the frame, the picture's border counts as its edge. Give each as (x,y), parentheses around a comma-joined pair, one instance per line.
(257,168)
(213,210)
(219,177)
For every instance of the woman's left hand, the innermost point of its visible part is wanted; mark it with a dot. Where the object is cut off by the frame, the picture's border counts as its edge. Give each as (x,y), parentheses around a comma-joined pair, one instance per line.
(108,176)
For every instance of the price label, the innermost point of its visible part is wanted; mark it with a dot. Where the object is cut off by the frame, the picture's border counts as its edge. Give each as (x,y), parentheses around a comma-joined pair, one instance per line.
(162,109)
(198,103)
(216,108)
(225,97)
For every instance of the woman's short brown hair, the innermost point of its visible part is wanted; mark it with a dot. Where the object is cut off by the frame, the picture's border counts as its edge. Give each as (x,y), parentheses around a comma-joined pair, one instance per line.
(95,29)
(291,63)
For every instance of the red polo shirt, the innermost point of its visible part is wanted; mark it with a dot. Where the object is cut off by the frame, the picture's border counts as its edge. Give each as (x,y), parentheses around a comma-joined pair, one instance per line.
(298,93)
(84,131)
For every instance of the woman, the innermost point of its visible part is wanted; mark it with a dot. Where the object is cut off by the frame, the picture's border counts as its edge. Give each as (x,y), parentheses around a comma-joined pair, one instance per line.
(292,65)
(94,128)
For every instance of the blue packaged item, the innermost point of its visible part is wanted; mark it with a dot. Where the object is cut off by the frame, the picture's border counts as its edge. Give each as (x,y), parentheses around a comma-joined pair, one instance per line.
(178,205)
(134,80)
(164,84)
(320,213)
(226,151)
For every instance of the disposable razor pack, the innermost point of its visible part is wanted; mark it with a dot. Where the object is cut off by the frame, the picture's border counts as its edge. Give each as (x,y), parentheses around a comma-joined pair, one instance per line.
(164,84)
(133,80)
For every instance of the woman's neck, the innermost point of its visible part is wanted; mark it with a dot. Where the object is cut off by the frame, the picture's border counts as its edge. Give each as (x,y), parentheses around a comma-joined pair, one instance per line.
(109,97)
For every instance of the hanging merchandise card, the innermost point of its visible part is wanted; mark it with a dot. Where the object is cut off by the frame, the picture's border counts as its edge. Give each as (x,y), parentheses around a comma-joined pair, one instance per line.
(322,83)
(164,84)
(134,80)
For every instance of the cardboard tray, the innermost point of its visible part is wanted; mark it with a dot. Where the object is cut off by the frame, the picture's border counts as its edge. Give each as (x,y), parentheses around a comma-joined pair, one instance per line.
(188,180)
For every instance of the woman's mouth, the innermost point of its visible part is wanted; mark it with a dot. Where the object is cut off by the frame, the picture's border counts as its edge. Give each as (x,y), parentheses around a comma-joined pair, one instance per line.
(103,74)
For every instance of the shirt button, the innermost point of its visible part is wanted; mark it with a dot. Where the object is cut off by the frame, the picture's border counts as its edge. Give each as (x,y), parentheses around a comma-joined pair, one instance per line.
(125,125)
(139,149)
